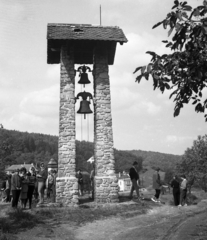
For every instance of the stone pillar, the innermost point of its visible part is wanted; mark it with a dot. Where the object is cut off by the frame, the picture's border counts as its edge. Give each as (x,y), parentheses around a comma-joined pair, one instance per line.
(66,182)
(106,182)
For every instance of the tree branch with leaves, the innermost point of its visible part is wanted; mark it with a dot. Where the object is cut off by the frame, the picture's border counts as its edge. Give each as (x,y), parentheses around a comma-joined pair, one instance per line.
(194,162)
(184,70)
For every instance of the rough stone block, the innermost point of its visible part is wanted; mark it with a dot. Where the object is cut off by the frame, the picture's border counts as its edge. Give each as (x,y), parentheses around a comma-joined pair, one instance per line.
(99,181)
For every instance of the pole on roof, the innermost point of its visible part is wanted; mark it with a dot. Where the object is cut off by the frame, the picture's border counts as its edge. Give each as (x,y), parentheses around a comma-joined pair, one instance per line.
(100,15)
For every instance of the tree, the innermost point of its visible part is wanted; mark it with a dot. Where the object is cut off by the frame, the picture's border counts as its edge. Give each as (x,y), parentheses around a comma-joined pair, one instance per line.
(169,174)
(194,163)
(184,70)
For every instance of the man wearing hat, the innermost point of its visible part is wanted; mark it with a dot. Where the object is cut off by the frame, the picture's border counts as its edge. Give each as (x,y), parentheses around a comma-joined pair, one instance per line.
(133,173)
(156,185)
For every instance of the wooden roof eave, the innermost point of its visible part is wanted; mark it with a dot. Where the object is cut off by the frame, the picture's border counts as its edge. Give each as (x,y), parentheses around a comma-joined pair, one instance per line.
(54,47)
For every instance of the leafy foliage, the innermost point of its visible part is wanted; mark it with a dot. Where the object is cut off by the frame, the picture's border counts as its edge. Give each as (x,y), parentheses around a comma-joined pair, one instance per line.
(169,174)
(194,163)
(184,71)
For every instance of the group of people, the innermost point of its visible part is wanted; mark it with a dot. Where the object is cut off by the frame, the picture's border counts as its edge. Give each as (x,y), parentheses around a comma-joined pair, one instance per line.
(23,185)
(79,176)
(179,186)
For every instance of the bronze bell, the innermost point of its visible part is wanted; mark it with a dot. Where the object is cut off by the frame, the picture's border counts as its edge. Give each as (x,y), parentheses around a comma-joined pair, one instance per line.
(84,104)
(83,75)
(84,108)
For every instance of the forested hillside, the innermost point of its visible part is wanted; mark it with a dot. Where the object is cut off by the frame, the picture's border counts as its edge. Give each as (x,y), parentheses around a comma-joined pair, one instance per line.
(22,147)
(155,159)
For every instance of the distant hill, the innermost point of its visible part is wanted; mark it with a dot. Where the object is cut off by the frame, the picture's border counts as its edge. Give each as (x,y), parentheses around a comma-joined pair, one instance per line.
(155,159)
(147,175)
(22,147)
(152,160)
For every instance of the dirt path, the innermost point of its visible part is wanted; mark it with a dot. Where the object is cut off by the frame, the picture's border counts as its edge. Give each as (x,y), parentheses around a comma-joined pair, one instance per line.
(160,223)
(194,227)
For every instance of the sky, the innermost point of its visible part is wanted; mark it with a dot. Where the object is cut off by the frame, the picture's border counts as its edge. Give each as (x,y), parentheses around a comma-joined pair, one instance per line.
(29,87)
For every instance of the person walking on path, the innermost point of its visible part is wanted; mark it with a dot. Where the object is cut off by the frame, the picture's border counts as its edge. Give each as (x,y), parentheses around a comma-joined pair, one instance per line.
(24,185)
(176,190)
(183,191)
(41,179)
(31,185)
(15,188)
(156,185)
(134,176)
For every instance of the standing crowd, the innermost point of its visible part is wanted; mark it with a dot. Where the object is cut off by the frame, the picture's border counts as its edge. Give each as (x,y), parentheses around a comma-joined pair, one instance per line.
(22,186)
(178,184)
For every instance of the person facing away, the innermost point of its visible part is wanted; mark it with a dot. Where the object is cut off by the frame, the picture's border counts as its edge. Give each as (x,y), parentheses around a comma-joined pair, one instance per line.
(41,179)
(183,191)
(80,182)
(134,176)
(15,188)
(175,185)
(156,185)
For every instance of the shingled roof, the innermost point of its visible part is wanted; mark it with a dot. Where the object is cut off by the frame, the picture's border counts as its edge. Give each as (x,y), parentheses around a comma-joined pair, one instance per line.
(84,38)
(85,32)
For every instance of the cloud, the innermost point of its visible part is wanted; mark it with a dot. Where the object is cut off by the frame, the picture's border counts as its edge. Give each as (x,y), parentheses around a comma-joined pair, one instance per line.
(43,103)
(175,139)
(136,47)
(151,108)
(143,108)
(31,123)
(123,98)
(53,71)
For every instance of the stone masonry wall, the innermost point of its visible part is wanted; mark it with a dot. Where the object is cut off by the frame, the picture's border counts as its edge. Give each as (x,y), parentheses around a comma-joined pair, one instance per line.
(106,182)
(66,183)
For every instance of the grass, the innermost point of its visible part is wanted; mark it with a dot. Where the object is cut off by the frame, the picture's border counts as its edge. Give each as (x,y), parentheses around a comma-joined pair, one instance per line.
(18,220)
(83,213)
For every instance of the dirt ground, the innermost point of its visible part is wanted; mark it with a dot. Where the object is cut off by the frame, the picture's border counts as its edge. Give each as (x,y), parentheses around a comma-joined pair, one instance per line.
(164,222)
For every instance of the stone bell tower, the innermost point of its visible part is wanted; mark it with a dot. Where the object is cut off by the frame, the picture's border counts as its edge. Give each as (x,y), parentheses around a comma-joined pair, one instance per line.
(70,44)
